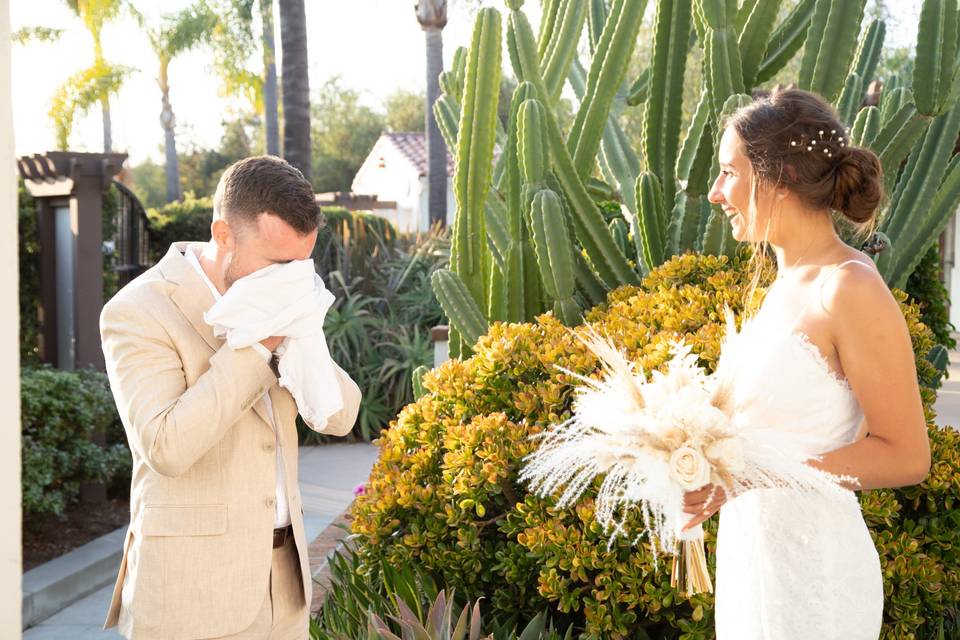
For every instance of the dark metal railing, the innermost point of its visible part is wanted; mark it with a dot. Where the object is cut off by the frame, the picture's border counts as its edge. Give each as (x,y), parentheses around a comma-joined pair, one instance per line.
(133,236)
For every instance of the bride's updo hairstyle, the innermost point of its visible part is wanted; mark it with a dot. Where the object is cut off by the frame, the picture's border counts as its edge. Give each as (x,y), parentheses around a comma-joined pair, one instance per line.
(795,139)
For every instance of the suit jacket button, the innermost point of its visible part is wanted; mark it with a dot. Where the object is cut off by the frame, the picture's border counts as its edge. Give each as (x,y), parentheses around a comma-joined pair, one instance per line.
(270,502)
(268,446)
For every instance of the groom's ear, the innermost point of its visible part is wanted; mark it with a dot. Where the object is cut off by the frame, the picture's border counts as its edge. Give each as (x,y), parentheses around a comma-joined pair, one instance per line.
(222,234)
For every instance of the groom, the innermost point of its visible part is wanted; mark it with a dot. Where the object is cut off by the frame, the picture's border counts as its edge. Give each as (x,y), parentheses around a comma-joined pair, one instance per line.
(216,546)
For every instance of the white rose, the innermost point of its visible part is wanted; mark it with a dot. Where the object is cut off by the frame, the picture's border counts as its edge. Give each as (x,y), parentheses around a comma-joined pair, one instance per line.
(727,454)
(689,468)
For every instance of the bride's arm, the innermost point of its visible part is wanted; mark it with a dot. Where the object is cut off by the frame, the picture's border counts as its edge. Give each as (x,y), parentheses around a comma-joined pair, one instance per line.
(873,344)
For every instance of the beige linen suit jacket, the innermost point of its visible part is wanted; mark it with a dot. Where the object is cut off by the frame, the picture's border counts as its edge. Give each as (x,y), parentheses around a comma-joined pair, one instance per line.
(198,551)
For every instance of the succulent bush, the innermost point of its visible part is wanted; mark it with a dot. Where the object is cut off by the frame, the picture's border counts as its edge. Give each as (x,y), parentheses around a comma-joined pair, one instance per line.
(444,497)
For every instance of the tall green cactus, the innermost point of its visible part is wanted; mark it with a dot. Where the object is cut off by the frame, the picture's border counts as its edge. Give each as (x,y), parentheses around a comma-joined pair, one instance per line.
(469,257)
(532,142)
(606,75)
(936,58)
(868,51)
(909,221)
(554,254)
(529,234)
(850,98)
(591,231)
(786,40)
(458,303)
(563,45)
(830,47)
(523,291)
(865,127)
(724,71)
(758,19)
(447,112)
(661,122)
(893,100)
(650,223)
(895,140)
(618,161)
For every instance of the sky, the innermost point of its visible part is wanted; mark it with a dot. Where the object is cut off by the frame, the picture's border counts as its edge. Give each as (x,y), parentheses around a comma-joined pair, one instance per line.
(375,46)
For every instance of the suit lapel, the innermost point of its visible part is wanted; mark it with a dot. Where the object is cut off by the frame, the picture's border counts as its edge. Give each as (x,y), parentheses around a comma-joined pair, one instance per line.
(193,297)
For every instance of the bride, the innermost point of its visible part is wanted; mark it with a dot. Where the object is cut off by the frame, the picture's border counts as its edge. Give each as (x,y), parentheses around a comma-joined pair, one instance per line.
(828,352)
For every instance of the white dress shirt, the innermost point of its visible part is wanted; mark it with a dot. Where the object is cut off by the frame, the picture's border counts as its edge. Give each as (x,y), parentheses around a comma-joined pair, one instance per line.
(281,513)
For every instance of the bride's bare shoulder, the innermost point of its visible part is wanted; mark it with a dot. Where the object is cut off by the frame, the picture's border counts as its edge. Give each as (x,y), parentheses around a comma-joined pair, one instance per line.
(855,291)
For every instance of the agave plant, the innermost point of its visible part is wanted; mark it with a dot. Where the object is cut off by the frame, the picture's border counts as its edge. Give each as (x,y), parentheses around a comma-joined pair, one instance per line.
(441,625)
(378,329)
(405,603)
(529,235)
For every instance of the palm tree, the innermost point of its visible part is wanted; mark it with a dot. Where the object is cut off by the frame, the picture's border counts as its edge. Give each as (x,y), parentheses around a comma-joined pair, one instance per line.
(296,85)
(176,34)
(271,122)
(235,46)
(93,85)
(432,15)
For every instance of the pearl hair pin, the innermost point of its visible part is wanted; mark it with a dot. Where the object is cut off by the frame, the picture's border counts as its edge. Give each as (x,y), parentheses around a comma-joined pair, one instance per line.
(825,140)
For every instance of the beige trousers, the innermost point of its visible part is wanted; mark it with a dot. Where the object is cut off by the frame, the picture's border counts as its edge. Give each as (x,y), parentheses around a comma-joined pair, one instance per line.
(283,615)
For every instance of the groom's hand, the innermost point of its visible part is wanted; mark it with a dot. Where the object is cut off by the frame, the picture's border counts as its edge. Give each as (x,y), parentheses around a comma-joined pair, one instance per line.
(703,503)
(271,343)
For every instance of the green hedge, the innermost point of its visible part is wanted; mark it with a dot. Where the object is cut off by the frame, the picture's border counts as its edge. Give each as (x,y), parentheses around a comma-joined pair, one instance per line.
(60,411)
(926,289)
(188,219)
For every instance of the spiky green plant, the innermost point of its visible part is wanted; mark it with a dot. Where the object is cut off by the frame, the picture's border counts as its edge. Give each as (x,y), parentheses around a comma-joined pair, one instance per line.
(661,187)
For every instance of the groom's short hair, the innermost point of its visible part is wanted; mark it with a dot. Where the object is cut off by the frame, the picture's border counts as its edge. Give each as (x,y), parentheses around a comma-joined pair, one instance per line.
(267,184)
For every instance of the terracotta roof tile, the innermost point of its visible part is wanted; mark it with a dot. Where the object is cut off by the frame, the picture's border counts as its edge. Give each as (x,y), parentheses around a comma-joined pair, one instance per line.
(413,146)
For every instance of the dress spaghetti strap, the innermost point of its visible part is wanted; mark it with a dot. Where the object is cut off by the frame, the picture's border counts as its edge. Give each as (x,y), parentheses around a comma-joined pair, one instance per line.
(823,281)
(840,266)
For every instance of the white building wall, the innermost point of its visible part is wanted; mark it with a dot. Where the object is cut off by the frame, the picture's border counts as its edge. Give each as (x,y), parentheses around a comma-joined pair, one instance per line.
(424,217)
(396,180)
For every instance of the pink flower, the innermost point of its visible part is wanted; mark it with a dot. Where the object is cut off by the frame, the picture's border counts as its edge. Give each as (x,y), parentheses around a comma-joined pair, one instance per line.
(360,489)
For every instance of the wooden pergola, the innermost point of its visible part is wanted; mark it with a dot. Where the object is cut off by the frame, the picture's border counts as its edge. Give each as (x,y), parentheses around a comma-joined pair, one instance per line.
(68,187)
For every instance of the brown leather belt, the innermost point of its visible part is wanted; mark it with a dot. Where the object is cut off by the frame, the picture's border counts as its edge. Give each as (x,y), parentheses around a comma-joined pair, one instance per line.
(280,536)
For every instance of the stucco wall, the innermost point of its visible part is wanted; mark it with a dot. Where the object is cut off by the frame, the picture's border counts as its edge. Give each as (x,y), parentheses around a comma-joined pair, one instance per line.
(10,554)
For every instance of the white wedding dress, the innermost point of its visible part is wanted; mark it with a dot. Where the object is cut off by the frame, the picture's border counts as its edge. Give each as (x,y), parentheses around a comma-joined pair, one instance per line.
(792,566)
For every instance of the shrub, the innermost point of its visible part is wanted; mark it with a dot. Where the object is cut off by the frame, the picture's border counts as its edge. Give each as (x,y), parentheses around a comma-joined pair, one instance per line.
(926,289)
(444,495)
(188,219)
(29,260)
(60,411)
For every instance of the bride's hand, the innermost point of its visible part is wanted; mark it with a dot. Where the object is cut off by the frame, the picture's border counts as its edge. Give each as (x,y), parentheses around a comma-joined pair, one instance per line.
(703,503)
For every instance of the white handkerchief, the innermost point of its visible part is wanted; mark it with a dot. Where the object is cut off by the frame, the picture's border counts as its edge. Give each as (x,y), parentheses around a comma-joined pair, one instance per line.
(287,300)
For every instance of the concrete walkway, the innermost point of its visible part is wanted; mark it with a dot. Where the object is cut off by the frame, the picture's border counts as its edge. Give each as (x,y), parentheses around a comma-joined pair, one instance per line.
(948,398)
(328,475)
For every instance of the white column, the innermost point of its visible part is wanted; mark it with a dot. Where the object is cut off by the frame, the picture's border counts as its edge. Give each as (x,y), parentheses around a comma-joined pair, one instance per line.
(10,546)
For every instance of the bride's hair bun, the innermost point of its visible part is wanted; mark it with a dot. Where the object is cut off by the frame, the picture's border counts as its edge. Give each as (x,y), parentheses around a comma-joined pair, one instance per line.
(795,139)
(859,184)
